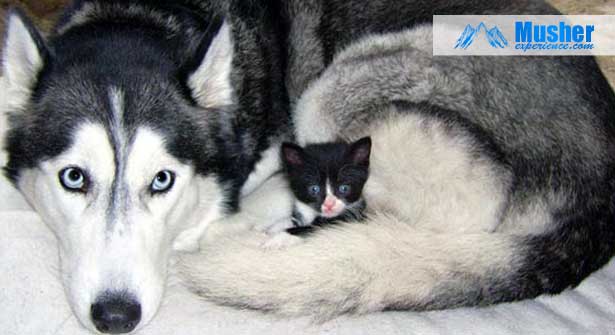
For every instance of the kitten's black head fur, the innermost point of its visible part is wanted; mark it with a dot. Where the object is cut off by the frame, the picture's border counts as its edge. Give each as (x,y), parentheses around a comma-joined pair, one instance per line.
(342,164)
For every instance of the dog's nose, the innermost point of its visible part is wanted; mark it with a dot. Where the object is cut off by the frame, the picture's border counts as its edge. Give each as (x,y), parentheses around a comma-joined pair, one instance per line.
(115,314)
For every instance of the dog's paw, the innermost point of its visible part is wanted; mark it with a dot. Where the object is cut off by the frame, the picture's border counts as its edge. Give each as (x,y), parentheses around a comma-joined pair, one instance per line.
(280,241)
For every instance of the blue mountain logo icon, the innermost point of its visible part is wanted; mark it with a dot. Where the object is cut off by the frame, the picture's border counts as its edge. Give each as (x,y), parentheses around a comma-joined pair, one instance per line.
(494,36)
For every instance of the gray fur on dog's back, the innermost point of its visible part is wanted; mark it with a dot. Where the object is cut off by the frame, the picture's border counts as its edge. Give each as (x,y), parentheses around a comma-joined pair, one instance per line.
(523,107)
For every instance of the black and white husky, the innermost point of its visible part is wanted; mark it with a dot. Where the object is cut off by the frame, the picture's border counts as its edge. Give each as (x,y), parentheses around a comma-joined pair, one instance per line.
(136,124)
(133,126)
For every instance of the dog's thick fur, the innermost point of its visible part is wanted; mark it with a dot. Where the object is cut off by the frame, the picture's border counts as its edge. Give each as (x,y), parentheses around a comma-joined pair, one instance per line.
(492,177)
(491,181)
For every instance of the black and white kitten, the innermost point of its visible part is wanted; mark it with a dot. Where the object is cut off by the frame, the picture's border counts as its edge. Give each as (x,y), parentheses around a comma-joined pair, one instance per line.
(327,180)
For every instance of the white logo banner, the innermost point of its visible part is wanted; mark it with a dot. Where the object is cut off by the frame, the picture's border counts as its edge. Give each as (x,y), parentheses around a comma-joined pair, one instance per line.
(523,35)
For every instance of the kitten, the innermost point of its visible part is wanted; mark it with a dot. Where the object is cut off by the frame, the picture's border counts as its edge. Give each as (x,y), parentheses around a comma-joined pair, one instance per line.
(327,181)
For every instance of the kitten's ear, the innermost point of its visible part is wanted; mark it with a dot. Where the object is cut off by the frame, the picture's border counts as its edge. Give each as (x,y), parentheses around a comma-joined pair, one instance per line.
(23,57)
(292,154)
(360,150)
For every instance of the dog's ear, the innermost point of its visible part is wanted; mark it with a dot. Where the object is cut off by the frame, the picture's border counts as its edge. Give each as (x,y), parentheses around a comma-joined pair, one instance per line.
(24,56)
(210,81)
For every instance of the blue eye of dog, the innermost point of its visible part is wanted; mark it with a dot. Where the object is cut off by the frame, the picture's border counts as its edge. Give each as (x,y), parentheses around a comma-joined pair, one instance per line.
(344,189)
(73,179)
(163,181)
(314,190)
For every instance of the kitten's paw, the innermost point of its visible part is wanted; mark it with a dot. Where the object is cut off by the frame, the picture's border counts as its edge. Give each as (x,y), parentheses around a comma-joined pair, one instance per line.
(281,241)
(279,226)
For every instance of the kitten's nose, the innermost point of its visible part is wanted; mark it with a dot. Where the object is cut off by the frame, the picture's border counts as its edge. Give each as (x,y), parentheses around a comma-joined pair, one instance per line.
(329,203)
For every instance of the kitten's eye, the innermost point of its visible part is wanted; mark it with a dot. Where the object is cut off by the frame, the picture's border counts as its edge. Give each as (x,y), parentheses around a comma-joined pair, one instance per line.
(344,189)
(163,182)
(73,179)
(314,190)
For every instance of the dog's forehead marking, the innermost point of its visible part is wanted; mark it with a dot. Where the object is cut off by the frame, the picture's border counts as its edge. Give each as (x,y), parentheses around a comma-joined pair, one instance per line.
(119,200)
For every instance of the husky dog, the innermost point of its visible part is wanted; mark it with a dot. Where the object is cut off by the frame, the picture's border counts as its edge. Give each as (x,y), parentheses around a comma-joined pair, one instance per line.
(492,180)
(136,124)
(133,126)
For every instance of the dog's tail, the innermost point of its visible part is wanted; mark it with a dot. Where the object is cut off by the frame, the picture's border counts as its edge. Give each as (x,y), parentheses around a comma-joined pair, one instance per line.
(389,264)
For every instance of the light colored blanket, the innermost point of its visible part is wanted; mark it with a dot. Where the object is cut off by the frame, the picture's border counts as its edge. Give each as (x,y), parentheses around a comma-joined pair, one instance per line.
(32,299)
